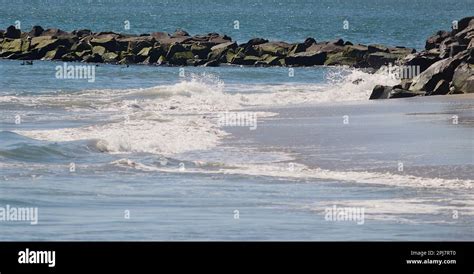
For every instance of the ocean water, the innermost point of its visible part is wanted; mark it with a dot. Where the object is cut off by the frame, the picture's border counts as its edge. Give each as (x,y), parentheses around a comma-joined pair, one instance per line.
(151,161)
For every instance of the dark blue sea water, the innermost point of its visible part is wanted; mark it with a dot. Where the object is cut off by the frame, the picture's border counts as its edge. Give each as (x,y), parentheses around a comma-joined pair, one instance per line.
(151,161)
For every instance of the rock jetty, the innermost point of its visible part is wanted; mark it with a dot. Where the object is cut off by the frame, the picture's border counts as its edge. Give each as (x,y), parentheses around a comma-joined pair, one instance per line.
(182,49)
(446,66)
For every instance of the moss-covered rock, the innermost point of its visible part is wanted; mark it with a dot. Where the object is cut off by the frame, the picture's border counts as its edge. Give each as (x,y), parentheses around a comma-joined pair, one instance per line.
(10,46)
(56,53)
(181,58)
(355,51)
(99,50)
(109,42)
(110,57)
(201,50)
(219,52)
(273,48)
(339,59)
(269,60)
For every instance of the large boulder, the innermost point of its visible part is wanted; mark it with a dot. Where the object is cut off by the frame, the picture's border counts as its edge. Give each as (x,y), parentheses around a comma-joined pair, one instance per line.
(450,47)
(149,55)
(422,59)
(466,34)
(434,40)
(355,51)
(12,33)
(173,49)
(210,39)
(110,57)
(380,92)
(43,44)
(340,59)
(249,47)
(10,46)
(36,31)
(181,58)
(99,50)
(463,79)
(176,38)
(388,92)
(273,48)
(463,24)
(109,42)
(379,59)
(219,52)
(200,50)
(269,60)
(327,47)
(401,93)
(442,69)
(441,88)
(136,44)
(300,47)
(56,53)
(306,59)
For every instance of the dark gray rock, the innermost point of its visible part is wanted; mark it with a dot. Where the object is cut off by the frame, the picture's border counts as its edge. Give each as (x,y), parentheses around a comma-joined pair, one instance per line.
(422,59)
(36,31)
(306,59)
(379,59)
(442,69)
(12,33)
(441,88)
(388,92)
(434,40)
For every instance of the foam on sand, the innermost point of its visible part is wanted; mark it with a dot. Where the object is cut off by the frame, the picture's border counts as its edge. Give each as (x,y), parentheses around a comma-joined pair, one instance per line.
(301,172)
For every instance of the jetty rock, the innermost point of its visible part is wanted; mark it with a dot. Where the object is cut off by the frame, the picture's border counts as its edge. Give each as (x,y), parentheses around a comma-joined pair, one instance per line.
(182,49)
(446,66)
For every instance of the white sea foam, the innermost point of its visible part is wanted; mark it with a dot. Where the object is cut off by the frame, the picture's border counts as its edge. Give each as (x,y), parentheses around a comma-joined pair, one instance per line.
(170,119)
(445,210)
(301,172)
